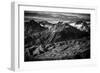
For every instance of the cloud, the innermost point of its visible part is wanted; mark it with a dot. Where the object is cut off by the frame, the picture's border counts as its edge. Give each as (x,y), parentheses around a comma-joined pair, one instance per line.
(55,16)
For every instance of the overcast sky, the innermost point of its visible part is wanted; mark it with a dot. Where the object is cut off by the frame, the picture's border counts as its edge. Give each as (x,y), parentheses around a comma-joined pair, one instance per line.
(54,16)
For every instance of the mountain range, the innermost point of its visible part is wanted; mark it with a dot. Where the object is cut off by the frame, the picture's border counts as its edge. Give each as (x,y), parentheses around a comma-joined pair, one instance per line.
(47,41)
(44,32)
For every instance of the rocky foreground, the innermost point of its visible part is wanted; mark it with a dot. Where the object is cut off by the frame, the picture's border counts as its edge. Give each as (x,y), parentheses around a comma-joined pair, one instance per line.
(72,49)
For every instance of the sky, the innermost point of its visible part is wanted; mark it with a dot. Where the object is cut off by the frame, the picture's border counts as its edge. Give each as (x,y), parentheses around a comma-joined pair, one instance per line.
(54,17)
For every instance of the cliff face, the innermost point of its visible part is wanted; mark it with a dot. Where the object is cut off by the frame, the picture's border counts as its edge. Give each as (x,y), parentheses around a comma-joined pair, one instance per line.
(47,41)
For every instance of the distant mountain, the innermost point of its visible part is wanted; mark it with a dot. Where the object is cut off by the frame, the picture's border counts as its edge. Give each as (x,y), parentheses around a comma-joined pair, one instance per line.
(44,32)
(61,32)
(82,25)
(85,25)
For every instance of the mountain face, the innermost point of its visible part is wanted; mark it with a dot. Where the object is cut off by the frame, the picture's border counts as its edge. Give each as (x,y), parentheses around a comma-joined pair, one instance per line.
(31,31)
(41,34)
(54,32)
(82,25)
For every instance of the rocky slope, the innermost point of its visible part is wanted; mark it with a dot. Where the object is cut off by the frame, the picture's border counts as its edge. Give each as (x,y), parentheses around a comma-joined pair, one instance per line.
(46,41)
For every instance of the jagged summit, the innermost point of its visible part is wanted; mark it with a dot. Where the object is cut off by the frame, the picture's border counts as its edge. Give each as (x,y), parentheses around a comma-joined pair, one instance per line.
(81,25)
